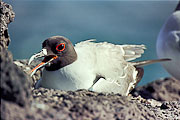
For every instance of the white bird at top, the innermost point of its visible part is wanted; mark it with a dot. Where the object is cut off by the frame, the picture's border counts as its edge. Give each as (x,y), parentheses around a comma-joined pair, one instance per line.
(100,67)
(168,43)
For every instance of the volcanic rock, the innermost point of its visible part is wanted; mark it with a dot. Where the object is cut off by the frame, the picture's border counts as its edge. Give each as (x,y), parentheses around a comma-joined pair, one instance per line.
(167,89)
(6,16)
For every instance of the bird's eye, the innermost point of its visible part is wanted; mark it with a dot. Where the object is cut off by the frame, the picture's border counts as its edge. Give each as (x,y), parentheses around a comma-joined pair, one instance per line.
(60,47)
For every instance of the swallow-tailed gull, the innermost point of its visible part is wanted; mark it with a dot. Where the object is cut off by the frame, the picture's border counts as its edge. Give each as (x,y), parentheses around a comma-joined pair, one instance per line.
(101,67)
(168,43)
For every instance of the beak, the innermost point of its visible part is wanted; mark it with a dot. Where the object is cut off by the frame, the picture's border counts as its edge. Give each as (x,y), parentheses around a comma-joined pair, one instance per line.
(47,60)
(42,53)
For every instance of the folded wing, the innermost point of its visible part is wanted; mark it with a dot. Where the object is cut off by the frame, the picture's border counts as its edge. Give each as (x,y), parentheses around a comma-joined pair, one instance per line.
(110,61)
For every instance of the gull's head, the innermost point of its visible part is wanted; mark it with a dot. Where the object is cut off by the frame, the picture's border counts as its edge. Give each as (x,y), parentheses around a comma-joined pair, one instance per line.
(57,51)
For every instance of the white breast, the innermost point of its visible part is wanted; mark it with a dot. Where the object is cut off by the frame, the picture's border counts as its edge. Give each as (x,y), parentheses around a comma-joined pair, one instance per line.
(78,75)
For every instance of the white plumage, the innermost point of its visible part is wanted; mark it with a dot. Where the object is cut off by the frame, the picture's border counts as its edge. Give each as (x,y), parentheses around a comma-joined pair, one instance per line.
(106,59)
(168,44)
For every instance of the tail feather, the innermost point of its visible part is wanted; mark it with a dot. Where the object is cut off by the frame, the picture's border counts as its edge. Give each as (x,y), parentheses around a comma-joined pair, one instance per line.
(146,62)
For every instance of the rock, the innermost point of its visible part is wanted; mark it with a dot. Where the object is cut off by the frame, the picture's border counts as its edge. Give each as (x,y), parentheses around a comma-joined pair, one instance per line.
(14,83)
(23,65)
(169,110)
(162,90)
(83,104)
(6,16)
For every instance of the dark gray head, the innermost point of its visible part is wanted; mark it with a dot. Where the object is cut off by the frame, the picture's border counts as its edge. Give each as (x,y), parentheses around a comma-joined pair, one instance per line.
(57,51)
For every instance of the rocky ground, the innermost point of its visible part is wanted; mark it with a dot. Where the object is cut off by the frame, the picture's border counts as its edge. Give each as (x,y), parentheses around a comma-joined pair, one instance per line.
(159,100)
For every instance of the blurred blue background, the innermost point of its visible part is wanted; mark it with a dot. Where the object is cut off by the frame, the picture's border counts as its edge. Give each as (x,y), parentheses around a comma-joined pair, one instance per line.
(118,22)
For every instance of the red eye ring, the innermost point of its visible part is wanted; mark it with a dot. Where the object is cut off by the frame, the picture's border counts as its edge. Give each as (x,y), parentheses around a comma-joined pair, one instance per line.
(62,45)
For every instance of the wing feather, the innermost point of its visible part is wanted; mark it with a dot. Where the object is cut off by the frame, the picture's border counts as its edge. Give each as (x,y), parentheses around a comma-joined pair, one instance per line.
(110,61)
(129,52)
(133,51)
